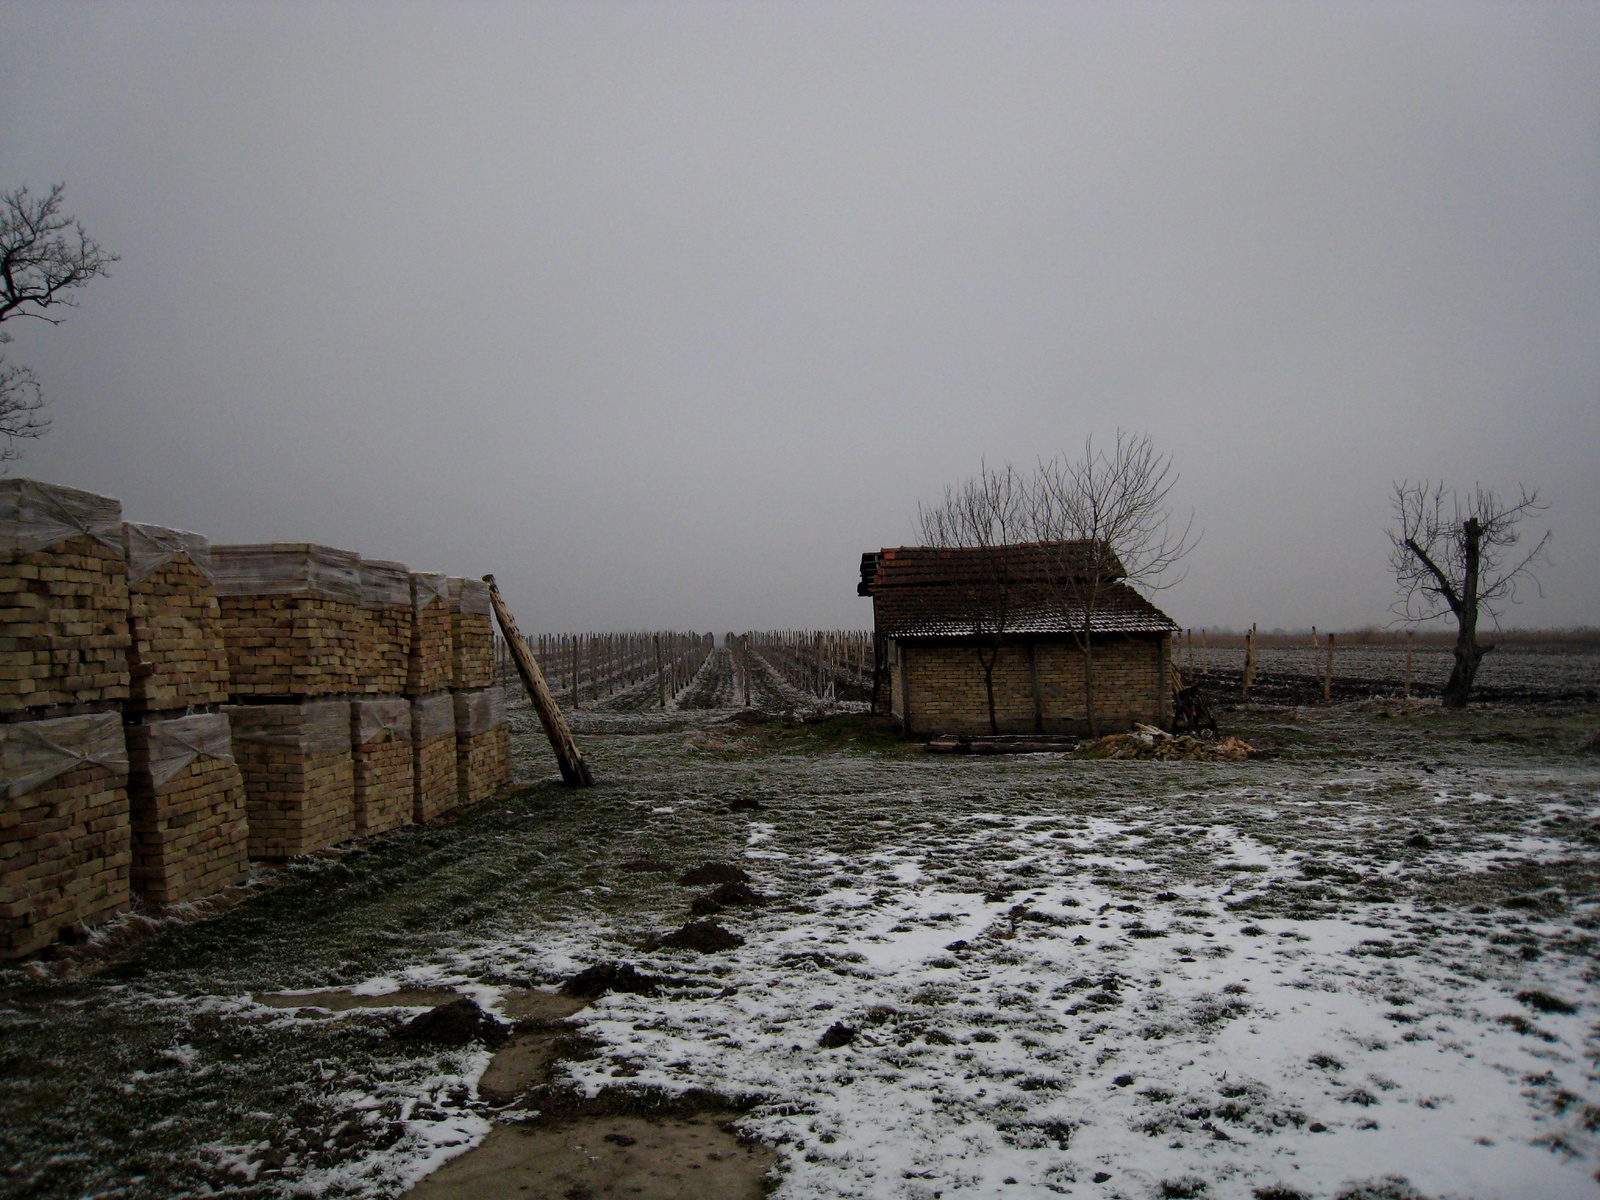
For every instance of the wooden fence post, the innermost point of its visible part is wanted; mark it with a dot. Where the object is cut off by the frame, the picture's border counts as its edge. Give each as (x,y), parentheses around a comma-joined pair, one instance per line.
(574,770)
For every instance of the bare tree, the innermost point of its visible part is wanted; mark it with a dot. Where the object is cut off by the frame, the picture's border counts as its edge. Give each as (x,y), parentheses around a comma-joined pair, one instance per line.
(984,513)
(45,257)
(1108,518)
(1457,554)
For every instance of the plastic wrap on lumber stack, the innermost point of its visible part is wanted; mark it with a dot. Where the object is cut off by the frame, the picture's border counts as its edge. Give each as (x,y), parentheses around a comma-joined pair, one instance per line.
(190,833)
(483,744)
(430,664)
(63,599)
(299,775)
(385,773)
(433,746)
(64,842)
(471,635)
(292,619)
(386,598)
(177,659)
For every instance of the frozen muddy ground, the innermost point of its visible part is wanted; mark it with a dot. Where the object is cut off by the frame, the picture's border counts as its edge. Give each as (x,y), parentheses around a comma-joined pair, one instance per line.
(1369,959)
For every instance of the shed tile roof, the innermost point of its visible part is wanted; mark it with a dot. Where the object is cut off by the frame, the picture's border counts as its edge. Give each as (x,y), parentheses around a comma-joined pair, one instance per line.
(921,591)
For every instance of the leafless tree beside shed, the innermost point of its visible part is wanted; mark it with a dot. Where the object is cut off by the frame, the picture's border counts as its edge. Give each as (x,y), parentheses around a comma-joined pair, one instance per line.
(1110,511)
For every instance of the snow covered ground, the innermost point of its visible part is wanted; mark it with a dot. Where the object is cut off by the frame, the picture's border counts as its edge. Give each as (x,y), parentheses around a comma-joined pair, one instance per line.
(1362,968)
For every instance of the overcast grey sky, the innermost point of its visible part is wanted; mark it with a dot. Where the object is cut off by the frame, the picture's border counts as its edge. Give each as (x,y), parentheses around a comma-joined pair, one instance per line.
(665,312)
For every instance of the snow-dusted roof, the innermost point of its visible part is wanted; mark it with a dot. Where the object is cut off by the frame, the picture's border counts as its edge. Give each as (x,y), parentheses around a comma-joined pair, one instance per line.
(928,592)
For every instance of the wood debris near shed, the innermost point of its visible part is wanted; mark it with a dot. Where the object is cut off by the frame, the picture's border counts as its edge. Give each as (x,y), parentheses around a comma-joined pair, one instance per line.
(1146,741)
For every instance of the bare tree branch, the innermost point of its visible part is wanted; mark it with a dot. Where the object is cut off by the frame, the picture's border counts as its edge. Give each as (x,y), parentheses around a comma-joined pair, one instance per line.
(45,257)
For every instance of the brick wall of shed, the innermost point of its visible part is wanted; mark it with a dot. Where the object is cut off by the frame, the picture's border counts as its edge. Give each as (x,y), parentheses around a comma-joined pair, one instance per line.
(943,687)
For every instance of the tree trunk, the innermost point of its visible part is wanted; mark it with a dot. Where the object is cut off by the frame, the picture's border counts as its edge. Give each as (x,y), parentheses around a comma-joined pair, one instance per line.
(1468,653)
(988,683)
(1088,686)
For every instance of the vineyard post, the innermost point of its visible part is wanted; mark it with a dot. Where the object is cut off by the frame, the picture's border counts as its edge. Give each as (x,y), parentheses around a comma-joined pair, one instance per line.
(1411,645)
(1249,661)
(1327,677)
(661,679)
(574,770)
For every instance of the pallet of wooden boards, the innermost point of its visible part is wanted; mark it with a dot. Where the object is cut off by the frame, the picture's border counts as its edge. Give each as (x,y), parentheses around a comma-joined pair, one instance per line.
(483,744)
(431,661)
(177,659)
(189,817)
(291,617)
(386,601)
(433,744)
(299,775)
(64,834)
(63,599)
(471,635)
(305,620)
(385,769)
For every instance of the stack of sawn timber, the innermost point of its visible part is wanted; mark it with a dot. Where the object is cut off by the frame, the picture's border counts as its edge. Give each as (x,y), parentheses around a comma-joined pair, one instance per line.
(185,790)
(169,709)
(433,729)
(64,835)
(482,750)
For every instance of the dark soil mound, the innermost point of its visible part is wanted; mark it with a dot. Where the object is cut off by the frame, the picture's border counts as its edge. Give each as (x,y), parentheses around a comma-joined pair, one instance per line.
(745,804)
(610,977)
(837,1035)
(726,896)
(706,937)
(459,1023)
(646,864)
(713,873)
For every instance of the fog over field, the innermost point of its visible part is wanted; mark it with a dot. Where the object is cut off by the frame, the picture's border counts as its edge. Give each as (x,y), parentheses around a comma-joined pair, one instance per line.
(664,313)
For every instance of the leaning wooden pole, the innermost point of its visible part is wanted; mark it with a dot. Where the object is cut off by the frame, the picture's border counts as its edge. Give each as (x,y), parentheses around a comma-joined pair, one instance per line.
(574,771)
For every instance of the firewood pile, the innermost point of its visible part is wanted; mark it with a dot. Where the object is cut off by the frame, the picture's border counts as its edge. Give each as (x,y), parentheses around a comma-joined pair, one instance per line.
(1146,741)
(187,798)
(299,775)
(385,771)
(433,741)
(483,744)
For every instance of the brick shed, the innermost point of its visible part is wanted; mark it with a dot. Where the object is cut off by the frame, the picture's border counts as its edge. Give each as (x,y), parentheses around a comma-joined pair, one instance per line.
(940,615)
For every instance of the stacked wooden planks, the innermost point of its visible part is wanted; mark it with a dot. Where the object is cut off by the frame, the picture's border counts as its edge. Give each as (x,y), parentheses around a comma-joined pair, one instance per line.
(292,619)
(63,600)
(64,842)
(433,741)
(431,661)
(64,838)
(186,793)
(483,744)
(386,599)
(471,635)
(299,775)
(188,809)
(297,634)
(177,658)
(385,768)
